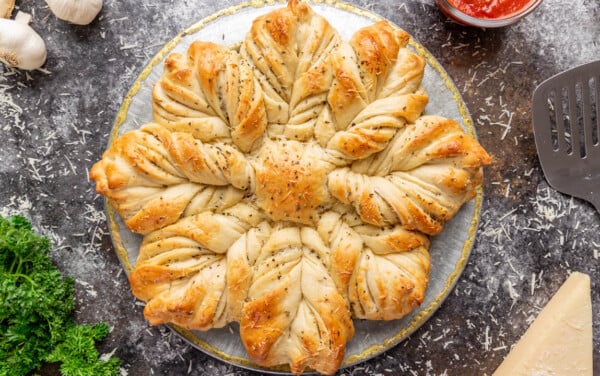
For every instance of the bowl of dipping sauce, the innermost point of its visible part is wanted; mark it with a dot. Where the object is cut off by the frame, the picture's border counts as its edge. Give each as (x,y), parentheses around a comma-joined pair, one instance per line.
(487,13)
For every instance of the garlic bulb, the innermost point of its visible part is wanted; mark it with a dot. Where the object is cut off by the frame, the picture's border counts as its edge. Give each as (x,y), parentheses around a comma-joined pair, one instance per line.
(6,8)
(20,45)
(80,12)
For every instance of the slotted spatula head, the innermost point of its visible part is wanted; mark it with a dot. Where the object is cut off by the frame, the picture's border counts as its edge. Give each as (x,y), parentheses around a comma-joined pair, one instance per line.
(566,126)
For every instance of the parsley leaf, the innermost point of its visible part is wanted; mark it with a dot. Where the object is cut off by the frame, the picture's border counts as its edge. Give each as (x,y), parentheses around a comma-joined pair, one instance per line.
(36,306)
(78,353)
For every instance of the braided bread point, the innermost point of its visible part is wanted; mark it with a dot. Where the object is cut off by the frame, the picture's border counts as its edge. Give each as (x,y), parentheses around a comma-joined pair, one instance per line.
(183,272)
(179,104)
(382,272)
(376,124)
(376,49)
(152,175)
(211,93)
(295,314)
(430,140)
(189,294)
(290,51)
(420,180)
(375,91)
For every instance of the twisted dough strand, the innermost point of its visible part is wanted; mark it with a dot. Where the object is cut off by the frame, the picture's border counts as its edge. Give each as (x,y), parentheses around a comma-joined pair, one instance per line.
(179,104)
(372,73)
(382,273)
(182,269)
(420,180)
(151,176)
(374,126)
(430,140)
(211,93)
(295,314)
(290,50)
(376,48)
(415,200)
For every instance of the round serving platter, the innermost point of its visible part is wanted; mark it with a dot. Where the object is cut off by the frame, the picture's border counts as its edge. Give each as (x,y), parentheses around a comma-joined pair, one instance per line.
(449,250)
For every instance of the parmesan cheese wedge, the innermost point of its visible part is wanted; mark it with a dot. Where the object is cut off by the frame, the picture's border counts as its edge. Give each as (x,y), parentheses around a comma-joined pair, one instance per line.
(559,341)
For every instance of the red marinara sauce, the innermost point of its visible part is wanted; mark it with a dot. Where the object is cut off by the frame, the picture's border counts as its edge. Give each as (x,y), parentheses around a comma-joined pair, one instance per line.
(490,9)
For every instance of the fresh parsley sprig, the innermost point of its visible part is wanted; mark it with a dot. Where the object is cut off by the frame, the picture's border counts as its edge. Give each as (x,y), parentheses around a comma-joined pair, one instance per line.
(36,310)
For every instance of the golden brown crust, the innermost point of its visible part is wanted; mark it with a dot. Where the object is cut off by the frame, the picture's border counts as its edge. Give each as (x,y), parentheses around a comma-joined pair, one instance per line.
(290,186)
(208,89)
(152,175)
(382,272)
(377,48)
(184,274)
(188,301)
(420,180)
(373,127)
(291,182)
(295,314)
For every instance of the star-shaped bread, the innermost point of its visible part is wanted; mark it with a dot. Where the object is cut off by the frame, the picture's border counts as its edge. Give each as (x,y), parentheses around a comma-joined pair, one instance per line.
(291,185)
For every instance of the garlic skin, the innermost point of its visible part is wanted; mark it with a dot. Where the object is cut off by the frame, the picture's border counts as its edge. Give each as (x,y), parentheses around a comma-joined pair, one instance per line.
(20,45)
(6,8)
(79,12)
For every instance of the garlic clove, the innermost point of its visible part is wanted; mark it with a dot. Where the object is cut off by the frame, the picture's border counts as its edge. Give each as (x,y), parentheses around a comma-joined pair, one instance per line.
(23,17)
(6,8)
(20,46)
(80,12)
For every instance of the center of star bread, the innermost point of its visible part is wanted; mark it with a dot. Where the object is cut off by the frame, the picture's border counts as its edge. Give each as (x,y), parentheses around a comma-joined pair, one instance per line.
(291,181)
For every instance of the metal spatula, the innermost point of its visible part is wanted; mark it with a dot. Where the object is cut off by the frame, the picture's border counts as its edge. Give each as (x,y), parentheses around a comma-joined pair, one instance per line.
(566,124)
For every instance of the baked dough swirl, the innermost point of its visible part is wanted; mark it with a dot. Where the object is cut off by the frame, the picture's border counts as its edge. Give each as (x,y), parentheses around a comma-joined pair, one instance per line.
(290,185)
